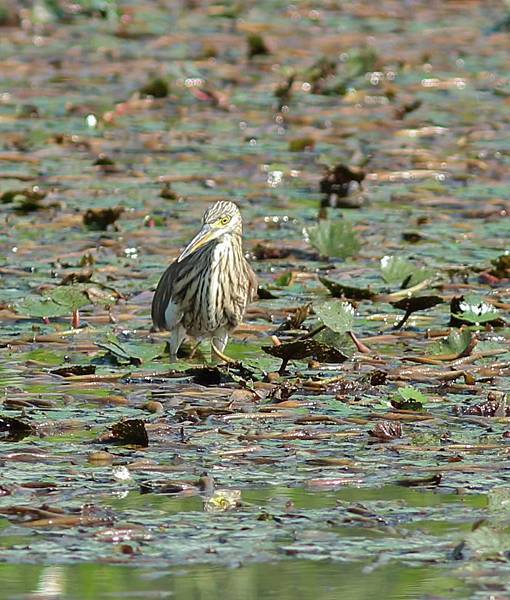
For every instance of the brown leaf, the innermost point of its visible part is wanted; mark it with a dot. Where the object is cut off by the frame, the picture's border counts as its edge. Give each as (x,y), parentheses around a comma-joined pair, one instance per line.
(14,430)
(340,182)
(386,431)
(100,218)
(70,370)
(127,432)
(306,348)
(433,480)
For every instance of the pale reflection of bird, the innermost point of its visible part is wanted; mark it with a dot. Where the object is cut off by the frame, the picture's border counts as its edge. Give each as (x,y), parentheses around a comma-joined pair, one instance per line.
(204,293)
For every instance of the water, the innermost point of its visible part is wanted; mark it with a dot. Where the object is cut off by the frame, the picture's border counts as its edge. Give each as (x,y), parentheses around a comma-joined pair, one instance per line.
(287,580)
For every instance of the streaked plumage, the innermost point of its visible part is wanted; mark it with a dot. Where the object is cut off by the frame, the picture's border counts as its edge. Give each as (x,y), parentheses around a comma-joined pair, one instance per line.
(204,293)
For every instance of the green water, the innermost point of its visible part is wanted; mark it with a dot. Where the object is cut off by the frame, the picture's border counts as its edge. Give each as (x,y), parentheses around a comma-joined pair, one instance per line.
(288,580)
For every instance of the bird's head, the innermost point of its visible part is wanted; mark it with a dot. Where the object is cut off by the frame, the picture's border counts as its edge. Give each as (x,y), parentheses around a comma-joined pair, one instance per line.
(221,219)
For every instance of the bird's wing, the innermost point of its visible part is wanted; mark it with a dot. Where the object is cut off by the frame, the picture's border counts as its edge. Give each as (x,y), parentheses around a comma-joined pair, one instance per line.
(253,284)
(165,313)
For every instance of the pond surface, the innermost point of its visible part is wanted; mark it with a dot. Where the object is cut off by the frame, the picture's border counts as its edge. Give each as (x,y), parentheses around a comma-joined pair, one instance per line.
(287,580)
(367,146)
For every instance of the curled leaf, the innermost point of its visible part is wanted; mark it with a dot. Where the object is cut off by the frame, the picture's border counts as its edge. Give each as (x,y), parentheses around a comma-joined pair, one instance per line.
(386,431)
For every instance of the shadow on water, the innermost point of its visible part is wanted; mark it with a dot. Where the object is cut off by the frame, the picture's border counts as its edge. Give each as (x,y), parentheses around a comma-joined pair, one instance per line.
(288,580)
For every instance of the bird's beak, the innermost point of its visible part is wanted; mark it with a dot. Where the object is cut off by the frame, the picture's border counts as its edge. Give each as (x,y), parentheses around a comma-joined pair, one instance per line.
(205,235)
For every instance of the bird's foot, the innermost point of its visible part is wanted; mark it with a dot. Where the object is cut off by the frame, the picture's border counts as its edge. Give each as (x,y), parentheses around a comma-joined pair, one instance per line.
(219,354)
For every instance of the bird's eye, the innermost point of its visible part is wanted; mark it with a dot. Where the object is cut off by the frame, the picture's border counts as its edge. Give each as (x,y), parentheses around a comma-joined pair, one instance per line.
(225,220)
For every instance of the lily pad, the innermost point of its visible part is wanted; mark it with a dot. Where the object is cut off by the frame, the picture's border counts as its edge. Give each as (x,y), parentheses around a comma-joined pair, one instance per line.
(134,353)
(338,316)
(409,398)
(456,342)
(472,310)
(334,239)
(399,271)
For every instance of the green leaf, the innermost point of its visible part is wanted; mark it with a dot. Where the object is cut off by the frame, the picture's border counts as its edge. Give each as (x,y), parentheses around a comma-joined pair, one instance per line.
(476,312)
(334,239)
(360,61)
(48,357)
(408,398)
(410,393)
(338,316)
(70,297)
(131,352)
(499,504)
(399,271)
(456,342)
(284,279)
(41,307)
(487,542)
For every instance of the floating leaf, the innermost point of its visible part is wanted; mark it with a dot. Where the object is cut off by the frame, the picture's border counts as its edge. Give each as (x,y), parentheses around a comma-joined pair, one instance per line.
(14,430)
(499,503)
(338,316)
(501,266)
(41,307)
(284,279)
(334,239)
(127,432)
(456,343)
(256,45)
(72,370)
(134,353)
(338,183)
(71,298)
(340,290)
(399,271)
(157,88)
(25,200)
(360,61)
(414,304)
(386,431)
(82,276)
(471,310)
(401,404)
(410,393)
(431,481)
(408,398)
(296,318)
(305,348)
(488,542)
(301,144)
(100,218)
(494,406)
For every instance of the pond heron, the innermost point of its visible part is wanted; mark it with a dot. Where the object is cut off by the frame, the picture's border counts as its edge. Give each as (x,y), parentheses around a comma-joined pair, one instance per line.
(205,291)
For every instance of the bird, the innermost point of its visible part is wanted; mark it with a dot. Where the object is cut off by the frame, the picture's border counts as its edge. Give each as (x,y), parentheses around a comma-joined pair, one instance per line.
(205,291)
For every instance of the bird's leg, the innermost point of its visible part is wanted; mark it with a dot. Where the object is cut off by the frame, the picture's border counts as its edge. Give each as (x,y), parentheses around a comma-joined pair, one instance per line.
(194,349)
(220,339)
(176,339)
(218,343)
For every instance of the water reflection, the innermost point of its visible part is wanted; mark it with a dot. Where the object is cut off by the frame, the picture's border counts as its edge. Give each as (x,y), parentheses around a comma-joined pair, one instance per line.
(51,583)
(286,580)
